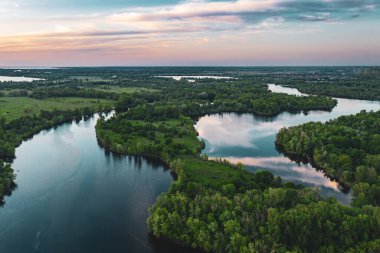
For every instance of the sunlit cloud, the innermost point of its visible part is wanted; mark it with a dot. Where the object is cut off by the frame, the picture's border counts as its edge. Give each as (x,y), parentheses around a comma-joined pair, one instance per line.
(247,24)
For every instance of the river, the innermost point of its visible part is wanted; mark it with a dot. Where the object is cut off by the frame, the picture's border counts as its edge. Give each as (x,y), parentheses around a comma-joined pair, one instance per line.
(250,140)
(72,196)
(18,79)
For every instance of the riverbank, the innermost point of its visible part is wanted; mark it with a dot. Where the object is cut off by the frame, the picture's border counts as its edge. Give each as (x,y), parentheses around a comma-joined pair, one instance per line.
(346,149)
(23,128)
(173,141)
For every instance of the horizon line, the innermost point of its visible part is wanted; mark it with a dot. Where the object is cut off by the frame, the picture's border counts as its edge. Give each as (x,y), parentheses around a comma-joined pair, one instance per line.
(185,66)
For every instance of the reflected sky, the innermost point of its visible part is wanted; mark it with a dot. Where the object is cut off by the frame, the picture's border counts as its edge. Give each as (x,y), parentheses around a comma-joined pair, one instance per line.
(250,140)
(18,79)
(72,196)
(280,89)
(177,78)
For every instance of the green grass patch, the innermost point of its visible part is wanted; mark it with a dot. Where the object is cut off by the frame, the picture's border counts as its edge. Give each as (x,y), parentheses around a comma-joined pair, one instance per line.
(15,107)
(213,173)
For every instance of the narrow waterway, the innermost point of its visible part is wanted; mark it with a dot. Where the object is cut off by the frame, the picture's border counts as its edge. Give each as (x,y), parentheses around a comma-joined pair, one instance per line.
(72,196)
(250,140)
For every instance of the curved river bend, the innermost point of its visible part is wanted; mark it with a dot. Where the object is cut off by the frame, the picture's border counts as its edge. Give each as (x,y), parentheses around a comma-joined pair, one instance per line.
(74,197)
(250,140)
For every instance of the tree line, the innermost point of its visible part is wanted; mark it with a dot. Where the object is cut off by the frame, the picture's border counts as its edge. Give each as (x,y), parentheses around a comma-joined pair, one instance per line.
(347,149)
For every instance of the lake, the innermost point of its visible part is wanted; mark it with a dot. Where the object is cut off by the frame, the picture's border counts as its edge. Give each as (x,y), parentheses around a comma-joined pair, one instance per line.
(72,196)
(193,78)
(18,79)
(250,140)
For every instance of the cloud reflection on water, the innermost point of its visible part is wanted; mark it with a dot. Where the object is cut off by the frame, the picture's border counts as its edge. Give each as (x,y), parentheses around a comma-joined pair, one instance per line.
(288,171)
(250,140)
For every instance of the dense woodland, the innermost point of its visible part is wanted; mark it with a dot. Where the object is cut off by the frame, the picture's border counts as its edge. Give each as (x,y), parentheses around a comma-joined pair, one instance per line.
(213,205)
(276,219)
(346,149)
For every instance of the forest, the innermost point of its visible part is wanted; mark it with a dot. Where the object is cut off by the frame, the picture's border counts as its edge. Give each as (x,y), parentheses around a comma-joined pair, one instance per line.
(346,149)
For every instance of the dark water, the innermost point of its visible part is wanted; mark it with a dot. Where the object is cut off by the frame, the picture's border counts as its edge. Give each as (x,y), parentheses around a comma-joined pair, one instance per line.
(250,140)
(73,197)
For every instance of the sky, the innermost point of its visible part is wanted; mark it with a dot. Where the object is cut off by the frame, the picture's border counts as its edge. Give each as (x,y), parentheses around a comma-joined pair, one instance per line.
(189,32)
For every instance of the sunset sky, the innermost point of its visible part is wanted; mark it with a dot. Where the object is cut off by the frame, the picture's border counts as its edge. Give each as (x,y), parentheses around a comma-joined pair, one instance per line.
(193,32)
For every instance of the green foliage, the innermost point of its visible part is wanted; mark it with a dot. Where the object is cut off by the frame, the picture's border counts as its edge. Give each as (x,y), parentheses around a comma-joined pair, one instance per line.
(43,93)
(367,247)
(6,179)
(267,220)
(165,139)
(346,149)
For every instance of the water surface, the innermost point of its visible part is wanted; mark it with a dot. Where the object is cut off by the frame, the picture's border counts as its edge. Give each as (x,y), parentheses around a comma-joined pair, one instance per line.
(250,140)
(72,196)
(18,79)
(193,78)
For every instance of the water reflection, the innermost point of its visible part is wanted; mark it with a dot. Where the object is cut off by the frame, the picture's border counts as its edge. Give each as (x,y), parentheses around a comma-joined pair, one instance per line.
(281,89)
(250,140)
(191,78)
(18,79)
(74,197)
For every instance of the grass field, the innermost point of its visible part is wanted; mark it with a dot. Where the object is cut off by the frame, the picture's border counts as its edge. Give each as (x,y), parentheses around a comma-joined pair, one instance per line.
(213,173)
(15,107)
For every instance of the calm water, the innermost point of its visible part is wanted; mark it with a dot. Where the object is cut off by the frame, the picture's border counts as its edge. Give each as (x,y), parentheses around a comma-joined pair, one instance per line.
(250,140)
(192,78)
(18,79)
(73,197)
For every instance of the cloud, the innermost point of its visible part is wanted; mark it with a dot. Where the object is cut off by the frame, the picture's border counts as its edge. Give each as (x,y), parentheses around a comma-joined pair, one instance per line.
(195,16)
(316,18)
(327,10)
(193,8)
(187,22)
(251,10)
